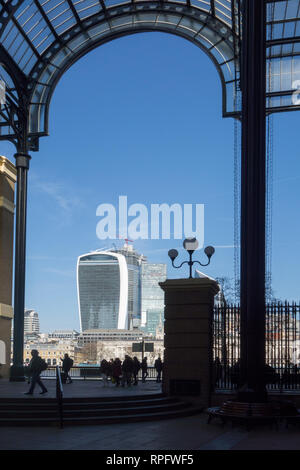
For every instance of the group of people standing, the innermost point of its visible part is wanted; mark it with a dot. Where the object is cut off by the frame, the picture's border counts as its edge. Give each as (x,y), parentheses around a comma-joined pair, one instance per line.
(126,372)
(120,373)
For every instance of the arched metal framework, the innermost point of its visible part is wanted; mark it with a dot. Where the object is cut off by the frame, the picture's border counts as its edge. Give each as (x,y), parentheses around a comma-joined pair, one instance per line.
(41,39)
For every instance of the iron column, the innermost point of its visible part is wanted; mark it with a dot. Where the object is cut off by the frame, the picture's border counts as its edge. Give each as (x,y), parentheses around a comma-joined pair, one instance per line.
(22,165)
(253,200)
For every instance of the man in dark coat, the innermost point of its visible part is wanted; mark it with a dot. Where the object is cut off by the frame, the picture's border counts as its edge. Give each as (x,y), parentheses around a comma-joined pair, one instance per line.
(36,366)
(136,368)
(127,371)
(67,363)
(104,369)
(158,367)
(144,369)
(117,371)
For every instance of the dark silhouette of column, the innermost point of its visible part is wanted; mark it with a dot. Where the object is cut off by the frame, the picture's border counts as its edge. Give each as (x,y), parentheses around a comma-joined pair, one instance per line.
(253,194)
(188,357)
(22,165)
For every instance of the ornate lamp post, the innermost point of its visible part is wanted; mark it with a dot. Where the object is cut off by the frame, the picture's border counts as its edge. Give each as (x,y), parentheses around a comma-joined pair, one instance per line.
(190,245)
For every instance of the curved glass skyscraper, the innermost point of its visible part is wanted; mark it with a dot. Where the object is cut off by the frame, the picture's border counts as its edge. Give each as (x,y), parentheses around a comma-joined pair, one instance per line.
(109,288)
(102,287)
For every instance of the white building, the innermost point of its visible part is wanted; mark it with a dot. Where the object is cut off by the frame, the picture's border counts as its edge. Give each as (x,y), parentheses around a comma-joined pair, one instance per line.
(93,336)
(64,334)
(31,322)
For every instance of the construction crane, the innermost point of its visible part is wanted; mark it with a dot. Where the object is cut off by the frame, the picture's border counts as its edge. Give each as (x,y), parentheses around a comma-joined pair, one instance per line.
(126,240)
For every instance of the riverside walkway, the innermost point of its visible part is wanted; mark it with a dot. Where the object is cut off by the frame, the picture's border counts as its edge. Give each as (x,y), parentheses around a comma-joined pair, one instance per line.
(187,433)
(78,389)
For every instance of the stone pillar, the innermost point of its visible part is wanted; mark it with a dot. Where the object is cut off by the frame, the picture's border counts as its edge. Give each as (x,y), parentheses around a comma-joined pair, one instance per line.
(7,188)
(188,338)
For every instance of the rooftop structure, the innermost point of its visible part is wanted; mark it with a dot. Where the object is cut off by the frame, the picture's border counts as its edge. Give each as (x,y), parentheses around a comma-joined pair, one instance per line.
(89,336)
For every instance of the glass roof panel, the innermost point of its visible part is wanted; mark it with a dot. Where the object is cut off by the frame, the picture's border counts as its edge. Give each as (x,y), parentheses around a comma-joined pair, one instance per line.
(40,32)
(86,8)
(42,21)
(131,17)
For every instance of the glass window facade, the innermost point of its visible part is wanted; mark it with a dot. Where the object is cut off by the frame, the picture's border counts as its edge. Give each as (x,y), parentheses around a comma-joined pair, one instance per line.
(134,262)
(109,289)
(154,319)
(153,295)
(98,291)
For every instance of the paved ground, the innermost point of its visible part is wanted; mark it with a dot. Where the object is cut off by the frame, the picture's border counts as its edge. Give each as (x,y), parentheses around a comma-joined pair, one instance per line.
(79,388)
(192,433)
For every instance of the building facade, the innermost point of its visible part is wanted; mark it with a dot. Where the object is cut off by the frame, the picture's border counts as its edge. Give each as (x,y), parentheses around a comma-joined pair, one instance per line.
(93,336)
(152,296)
(64,335)
(7,209)
(154,321)
(31,322)
(109,288)
(53,351)
(102,287)
(112,349)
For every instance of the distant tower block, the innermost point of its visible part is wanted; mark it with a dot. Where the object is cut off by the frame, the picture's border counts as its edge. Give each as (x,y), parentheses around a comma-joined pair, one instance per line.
(7,190)
(31,322)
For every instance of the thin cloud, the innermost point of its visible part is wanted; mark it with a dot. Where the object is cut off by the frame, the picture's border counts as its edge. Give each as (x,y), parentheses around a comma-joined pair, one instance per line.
(58,192)
(48,258)
(60,272)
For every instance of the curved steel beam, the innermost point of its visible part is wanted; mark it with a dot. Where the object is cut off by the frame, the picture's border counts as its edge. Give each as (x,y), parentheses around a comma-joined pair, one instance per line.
(207,33)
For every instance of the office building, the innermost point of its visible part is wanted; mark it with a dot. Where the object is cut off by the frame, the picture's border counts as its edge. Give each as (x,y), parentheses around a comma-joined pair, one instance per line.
(93,336)
(109,288)
(31,322)
(152,296)
(64,335)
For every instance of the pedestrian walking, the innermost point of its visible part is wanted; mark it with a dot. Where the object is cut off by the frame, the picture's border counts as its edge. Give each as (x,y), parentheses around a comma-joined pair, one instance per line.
(117,371)
(67,364)
(144,369)
(36,367)
(104,368)
(110,369)
(136,368)
(158,367)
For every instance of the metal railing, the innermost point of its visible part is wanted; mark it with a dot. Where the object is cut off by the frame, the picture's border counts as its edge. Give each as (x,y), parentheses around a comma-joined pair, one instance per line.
(89,373)
(59,396)
(282,347)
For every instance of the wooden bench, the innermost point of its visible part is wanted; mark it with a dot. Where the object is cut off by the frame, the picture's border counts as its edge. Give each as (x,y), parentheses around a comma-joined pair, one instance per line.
(244,413)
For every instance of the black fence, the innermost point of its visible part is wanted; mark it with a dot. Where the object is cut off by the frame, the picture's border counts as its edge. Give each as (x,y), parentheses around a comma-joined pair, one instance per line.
(90,373)
(282,347)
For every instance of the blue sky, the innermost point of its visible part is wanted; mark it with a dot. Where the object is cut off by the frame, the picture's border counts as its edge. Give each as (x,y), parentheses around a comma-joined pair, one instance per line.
(141,116)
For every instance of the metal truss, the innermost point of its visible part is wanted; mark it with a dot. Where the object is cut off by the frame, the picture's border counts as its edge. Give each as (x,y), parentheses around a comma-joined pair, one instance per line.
(41,39)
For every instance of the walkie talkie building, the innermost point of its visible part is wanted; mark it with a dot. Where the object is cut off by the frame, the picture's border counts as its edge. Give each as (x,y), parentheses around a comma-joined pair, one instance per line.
(102,287)
(109,288)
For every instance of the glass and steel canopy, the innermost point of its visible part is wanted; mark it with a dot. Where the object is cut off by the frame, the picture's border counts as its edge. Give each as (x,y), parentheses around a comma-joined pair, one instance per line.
(40,39)
(283,55)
